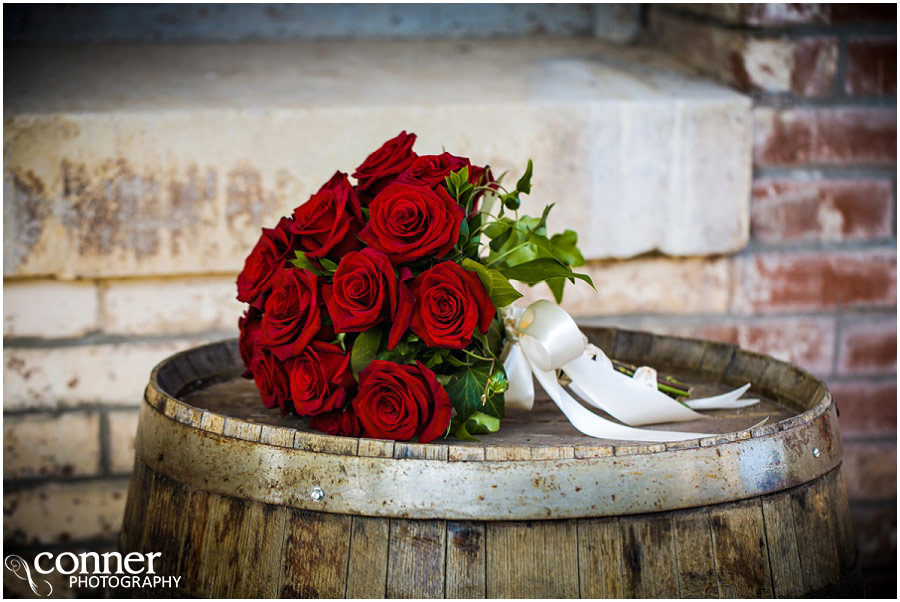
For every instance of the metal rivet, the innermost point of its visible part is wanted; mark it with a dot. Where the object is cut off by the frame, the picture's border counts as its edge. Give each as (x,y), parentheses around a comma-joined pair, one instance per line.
(816,452)
(316,493)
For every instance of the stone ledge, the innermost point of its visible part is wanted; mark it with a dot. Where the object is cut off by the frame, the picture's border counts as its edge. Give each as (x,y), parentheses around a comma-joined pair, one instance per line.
(167,159)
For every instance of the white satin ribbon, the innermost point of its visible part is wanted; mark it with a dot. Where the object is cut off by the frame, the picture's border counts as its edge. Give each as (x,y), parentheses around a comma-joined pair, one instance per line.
(543,338)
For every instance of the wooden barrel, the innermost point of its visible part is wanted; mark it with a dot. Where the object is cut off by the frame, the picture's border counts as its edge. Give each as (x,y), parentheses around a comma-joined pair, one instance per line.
(242,502)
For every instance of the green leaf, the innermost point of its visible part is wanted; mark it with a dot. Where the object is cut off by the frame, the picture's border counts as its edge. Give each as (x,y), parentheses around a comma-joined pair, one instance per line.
(524,183)
(556,287)
(480,423)
(543,268)
(365,349)
(565,247)
(329,265)
(467,387)
(498,287)
(304,263)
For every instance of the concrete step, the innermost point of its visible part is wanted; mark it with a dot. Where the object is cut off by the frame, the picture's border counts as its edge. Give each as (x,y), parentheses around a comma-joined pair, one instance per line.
(147,160)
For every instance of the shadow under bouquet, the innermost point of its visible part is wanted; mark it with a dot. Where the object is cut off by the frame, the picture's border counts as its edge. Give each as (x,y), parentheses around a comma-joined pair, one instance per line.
(385,309)
(374,308)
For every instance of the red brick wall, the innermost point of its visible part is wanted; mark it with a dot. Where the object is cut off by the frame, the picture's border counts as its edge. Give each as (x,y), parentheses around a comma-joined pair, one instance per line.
(818,280)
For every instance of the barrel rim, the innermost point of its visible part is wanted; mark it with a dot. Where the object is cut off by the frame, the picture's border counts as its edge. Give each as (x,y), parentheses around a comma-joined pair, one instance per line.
(227,349)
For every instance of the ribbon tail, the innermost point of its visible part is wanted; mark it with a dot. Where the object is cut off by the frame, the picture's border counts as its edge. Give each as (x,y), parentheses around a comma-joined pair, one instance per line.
(593,425)
(725,401)
(520,393)
(622,397)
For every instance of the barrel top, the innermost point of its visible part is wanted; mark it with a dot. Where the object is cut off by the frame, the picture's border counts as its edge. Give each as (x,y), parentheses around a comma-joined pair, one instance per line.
(203,423)
(203,387)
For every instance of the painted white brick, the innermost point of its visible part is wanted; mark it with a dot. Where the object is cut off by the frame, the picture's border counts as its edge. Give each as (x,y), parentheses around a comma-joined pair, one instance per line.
(658,285)
(37,445)
(122,429)
(62,377)
(56,513)
(168,159)
(49,309)
(170,306)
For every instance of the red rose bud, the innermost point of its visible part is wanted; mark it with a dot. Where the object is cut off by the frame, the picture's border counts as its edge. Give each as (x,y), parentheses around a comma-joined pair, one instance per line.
(272,250)
(319,378)
(248,341)
(398,402)
(450,304)
(271,380)
(337,422)
(292,316)
(432,169)
(408,222)
(365,292)
(327,224)
(382,167)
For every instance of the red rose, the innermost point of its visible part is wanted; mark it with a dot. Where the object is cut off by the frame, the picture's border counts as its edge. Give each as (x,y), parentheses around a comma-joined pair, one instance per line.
(408,222)
(330,220)
(273,248)
(337,422)
(366,292)
(248,342)
(450,303)
(271,380)
(432,169)
(319,378)
(382,167)
(292,316)
(397,401)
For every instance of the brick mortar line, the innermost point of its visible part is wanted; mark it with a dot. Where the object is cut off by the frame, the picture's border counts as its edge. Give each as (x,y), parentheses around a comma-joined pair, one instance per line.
(837,100)
(878,439)
(112,339)
(19,484)
(90,407)
(792,31)
(826,172)
(757,247)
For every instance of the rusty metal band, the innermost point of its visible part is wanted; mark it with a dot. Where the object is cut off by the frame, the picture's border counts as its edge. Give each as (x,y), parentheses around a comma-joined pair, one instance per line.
(509,490)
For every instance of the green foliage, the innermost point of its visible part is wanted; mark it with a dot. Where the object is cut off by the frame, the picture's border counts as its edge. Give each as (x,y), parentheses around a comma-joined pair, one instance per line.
(304,263)
(497,285)
(469,390)
(478,423)
(365,349)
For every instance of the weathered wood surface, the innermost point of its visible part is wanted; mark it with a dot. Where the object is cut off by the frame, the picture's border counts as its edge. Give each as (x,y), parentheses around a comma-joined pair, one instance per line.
(784,543)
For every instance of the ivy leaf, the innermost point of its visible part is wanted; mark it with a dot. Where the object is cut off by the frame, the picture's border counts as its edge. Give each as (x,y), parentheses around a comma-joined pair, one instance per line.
(466,388)
(365,349)
(543,268)
(304,263)
(524,183)
(498,287)
(565,247)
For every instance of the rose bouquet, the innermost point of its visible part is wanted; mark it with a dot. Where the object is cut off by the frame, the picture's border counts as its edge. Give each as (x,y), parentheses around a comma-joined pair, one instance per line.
(375,309)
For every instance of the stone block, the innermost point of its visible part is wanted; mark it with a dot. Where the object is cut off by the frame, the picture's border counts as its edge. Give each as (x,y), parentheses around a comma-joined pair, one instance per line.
(871,67)
(160,160)
(45,445)
(868,345)
(868,409)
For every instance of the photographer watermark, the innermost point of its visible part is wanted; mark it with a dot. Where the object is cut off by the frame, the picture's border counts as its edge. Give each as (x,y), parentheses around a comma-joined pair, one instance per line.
(90,569)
